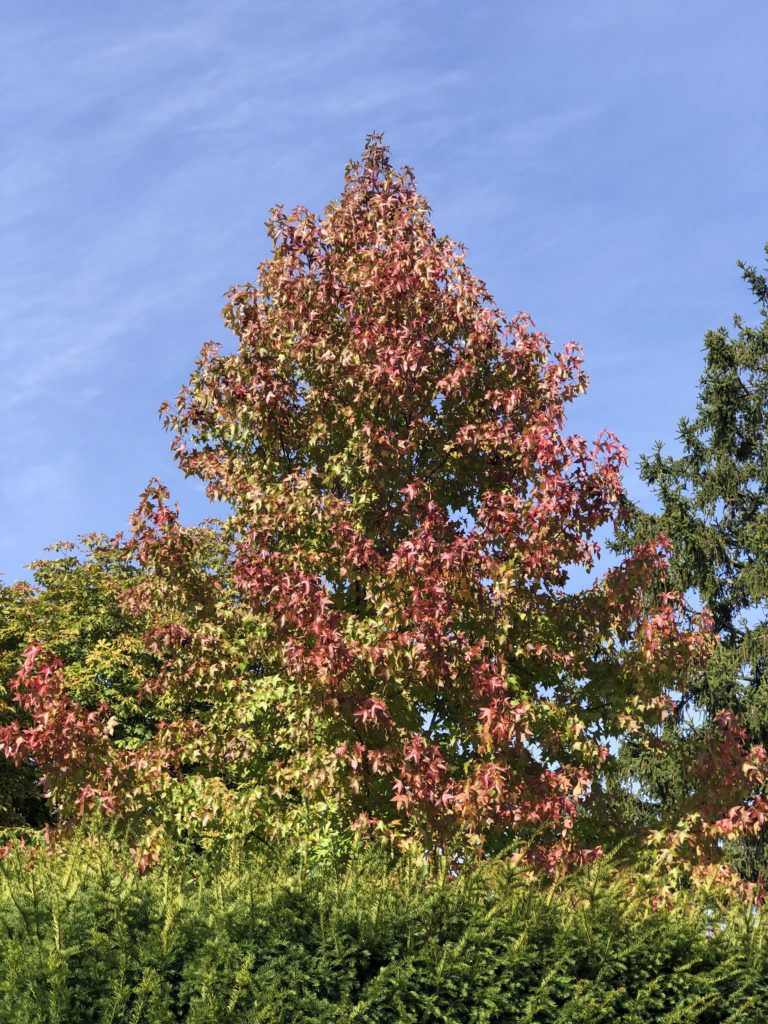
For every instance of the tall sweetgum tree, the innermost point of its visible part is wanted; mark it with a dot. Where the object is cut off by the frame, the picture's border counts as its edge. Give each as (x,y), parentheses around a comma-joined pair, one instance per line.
(406,509)
(381,634)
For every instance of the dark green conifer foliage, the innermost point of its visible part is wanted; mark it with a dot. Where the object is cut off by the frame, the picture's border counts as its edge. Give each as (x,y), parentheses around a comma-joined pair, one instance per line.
(713,506)
(269,937)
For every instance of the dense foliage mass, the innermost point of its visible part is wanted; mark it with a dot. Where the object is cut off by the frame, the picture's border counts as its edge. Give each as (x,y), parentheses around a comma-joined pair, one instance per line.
(382,639)
(267,938)
(713,505)
(382,634)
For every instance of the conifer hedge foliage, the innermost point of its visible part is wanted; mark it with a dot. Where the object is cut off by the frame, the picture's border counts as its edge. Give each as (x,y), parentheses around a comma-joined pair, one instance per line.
(262,936)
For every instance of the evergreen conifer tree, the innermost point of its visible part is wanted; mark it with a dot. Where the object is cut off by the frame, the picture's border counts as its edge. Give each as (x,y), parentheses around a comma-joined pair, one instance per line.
(713,506)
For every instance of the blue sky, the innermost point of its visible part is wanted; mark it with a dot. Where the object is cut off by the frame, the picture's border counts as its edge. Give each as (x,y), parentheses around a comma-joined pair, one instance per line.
(605,163)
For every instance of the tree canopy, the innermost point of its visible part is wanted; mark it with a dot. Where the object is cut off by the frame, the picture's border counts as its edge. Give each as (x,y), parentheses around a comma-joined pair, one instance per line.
(382,634)
(712,500)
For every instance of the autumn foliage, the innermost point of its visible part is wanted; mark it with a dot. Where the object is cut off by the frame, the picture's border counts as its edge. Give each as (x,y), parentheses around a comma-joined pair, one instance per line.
(383,634)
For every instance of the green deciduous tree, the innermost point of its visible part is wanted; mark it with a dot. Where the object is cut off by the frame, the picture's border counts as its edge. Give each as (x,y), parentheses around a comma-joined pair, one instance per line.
(71,609)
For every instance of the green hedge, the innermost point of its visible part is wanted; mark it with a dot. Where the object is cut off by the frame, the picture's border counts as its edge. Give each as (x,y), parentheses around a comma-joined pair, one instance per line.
(263,937)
